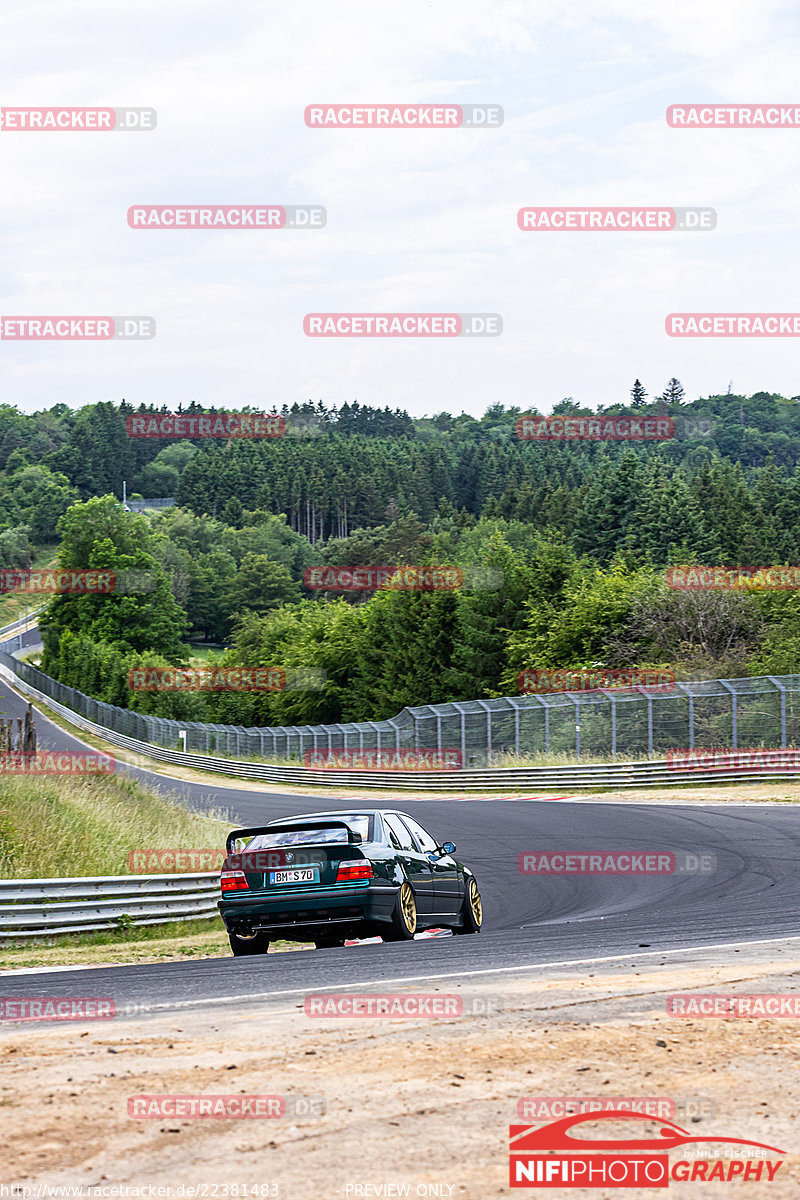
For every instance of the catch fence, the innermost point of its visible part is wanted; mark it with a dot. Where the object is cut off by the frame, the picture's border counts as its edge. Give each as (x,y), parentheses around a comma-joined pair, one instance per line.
(631,722)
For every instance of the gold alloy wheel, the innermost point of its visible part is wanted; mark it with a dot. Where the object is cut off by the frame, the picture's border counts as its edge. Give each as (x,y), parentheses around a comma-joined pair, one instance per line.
(408,908)
(476,908)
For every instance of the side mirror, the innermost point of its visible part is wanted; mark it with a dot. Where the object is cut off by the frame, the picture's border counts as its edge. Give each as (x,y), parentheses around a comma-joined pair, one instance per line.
(447,848)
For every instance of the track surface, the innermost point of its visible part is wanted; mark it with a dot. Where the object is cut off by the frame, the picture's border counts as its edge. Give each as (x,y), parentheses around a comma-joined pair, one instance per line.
(754,893)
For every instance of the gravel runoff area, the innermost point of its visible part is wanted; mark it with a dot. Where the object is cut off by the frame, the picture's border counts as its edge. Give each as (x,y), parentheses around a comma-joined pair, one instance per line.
(412,1106)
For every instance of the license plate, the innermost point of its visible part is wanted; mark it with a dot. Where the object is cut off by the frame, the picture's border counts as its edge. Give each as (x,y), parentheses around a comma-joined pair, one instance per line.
(295,875)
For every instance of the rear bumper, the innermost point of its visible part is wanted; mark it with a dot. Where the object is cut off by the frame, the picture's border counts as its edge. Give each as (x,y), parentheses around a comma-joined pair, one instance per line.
(345,904)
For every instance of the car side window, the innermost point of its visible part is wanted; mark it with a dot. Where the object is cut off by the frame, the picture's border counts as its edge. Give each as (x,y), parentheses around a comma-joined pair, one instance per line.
(400,838)
(393,839)
(427,843)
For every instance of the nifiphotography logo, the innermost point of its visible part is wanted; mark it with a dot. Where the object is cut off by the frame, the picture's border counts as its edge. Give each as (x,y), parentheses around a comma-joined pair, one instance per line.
(551,1156)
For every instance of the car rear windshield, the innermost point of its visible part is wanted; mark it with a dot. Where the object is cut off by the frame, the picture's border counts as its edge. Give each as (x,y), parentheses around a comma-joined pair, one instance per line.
(313,837)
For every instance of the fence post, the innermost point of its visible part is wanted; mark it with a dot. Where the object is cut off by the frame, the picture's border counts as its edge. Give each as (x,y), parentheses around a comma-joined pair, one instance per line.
(488,712)
(689,696)
(515,705)
(460,710)
(613,704)
(734,714)
(649,699)
(779,685)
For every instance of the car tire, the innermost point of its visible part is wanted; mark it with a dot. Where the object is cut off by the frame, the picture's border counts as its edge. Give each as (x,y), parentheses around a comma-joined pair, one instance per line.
(327,943)
(404,917)
(257,944)
(471,909)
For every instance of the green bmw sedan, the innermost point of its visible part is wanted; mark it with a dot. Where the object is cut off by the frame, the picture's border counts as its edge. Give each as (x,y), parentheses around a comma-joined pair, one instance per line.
(330,876)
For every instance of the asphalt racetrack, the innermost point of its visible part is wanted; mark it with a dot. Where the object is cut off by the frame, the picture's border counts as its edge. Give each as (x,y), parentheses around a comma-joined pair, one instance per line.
(752,895)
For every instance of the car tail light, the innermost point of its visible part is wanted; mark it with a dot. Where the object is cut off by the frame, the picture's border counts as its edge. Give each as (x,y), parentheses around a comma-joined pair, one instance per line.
(354,868)
(233,881)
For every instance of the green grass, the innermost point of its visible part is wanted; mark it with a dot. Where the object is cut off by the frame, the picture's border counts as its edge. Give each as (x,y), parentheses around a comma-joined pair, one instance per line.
(58,827)
(141,943)
(13,604)
(201,654)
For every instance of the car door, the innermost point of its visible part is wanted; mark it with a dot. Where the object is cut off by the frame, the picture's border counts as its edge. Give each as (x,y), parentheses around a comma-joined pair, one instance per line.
(447,881)
(416,864)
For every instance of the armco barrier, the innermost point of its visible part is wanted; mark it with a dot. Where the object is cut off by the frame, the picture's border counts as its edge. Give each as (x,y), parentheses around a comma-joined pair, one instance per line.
(39,907)
(580,775)
(8,631)
(619,723)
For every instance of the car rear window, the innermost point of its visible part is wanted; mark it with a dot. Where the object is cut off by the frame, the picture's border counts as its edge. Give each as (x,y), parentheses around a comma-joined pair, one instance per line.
(313,837)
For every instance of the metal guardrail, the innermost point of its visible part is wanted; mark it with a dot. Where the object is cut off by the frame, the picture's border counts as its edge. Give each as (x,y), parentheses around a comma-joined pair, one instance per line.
(7,630)
(32,908)
(647,773)
(751,711)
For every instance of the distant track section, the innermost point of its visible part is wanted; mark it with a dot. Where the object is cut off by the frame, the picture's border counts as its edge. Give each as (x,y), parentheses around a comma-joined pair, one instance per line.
(649,773)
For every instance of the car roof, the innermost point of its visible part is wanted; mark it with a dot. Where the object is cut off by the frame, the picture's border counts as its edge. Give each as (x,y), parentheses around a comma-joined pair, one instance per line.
(338,814)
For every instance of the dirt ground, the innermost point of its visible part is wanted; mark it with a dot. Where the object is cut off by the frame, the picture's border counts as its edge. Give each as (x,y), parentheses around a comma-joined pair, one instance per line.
(422,1102)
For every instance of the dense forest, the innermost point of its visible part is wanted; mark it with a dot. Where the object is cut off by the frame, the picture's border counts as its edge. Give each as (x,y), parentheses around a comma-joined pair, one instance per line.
(580,532)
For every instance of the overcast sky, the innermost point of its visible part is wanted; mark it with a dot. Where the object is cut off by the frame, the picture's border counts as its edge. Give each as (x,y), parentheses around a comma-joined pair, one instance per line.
(417,220)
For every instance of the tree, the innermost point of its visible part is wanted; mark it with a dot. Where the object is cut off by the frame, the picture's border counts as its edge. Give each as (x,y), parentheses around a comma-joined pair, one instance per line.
(260,585)
(486,614)
(143,615)
(15,547)
(638,394)
(575,631)
(603,522)
(38,497)
(208,605)
(673,392)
